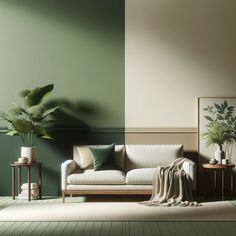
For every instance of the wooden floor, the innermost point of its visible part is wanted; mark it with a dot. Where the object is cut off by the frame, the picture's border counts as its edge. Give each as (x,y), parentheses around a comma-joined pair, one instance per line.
(112,228)
(118,228)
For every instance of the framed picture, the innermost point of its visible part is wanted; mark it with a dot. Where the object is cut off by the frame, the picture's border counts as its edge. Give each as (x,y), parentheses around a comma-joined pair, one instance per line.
(218,111)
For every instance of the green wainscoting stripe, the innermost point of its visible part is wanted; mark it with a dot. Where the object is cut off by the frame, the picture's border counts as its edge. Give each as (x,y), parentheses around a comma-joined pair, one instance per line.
(79,46)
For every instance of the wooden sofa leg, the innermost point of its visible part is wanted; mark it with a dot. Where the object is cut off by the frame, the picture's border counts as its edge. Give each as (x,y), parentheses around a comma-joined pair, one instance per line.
(63,196)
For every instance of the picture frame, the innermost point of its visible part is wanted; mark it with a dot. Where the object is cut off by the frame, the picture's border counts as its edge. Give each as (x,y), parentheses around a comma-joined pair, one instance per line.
(206,152)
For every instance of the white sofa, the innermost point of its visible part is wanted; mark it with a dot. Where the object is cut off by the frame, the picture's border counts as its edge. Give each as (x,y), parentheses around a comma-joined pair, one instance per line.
(137,164)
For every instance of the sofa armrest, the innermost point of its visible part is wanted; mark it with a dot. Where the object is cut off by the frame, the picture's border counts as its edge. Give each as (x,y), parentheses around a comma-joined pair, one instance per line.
(67,168)
(190,168)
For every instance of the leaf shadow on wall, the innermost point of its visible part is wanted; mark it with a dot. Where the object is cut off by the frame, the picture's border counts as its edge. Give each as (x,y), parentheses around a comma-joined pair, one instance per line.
(78,123)
(54,177)
(72,126)
(97,15)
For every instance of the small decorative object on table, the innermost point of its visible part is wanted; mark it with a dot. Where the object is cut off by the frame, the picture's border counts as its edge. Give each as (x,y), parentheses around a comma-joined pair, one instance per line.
(225,162)
(22,160)
(213,161)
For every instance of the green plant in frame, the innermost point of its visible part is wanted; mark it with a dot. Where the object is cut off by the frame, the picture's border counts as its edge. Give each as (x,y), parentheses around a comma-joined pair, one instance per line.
(28,121)
(221,128)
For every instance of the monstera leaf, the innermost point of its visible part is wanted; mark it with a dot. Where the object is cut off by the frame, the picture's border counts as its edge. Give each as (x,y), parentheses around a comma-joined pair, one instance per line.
(12,133)
(49,111)
(22,125)
(36,112)
(9,132)
(16,111)
(5,116)
(41,132)
(23,93)
(36,95)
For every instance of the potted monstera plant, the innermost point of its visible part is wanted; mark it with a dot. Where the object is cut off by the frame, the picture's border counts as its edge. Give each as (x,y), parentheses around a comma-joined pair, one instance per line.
(28,120)
(221,127)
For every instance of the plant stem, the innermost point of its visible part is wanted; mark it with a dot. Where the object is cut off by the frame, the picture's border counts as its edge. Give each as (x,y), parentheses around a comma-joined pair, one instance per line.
(34,140)
(21,137)
(32,135)
(31,138)
(26,112)
(24,139)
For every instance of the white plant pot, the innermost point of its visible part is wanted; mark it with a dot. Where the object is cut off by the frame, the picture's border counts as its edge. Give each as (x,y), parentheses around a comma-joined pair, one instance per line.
(29,153)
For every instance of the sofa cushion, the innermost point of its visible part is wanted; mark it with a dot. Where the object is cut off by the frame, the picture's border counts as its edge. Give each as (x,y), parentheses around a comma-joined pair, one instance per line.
(85,157)
(151,156)
(119,156)
(96,177)
(140,176)
(102,156)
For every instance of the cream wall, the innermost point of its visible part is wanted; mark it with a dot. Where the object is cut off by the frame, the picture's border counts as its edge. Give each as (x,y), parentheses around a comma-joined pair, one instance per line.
(175,52)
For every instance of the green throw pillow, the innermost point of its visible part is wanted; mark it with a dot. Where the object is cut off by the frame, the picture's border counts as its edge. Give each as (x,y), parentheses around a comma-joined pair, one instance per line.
(102,155)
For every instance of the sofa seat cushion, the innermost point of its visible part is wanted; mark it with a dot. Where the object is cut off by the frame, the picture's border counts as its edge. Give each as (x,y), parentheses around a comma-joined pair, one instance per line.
(96,177)
(140,176)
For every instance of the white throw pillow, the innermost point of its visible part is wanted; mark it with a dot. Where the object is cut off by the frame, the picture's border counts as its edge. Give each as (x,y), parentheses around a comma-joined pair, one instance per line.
(86,161)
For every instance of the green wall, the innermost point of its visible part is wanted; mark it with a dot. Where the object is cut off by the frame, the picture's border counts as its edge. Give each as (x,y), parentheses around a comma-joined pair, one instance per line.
(78,46)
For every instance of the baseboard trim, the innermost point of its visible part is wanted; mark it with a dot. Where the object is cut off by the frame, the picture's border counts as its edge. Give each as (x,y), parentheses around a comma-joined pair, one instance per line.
(175,130)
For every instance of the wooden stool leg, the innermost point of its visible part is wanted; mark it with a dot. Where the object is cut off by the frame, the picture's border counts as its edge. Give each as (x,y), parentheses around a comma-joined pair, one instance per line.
(29,184)
(40,182)
(13,183)
(232,183)
(63,196)
(223,184)
(215,183)
(19,180)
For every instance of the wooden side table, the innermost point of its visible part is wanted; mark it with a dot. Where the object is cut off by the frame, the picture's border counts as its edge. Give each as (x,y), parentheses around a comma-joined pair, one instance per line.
(28,166)
(221,168)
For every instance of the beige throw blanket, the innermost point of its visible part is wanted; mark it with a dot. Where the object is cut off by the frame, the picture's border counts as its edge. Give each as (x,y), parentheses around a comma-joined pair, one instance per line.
(171,186)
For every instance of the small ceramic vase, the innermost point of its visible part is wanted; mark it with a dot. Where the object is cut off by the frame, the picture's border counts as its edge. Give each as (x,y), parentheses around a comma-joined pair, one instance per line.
(213,161)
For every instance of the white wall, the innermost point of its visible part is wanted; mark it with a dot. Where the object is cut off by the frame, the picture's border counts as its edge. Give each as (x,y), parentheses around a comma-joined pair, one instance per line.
(177,51)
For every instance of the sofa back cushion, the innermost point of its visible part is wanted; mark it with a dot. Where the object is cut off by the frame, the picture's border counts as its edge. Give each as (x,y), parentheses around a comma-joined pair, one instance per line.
(151,156)
(83,156)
